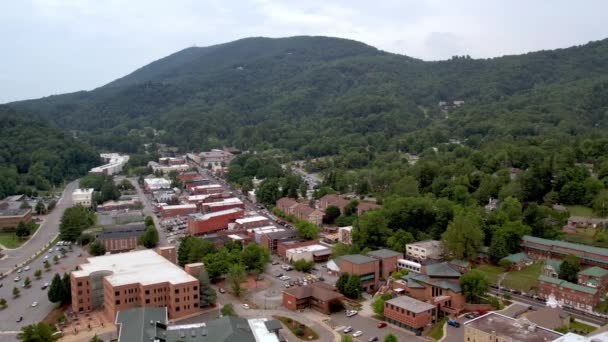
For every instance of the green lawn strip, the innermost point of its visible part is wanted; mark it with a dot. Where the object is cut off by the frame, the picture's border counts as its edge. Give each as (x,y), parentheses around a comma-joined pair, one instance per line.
(10,240)
(581,328)
(579,210)
(301,331)
(437,332)
(492,272)
(524,279)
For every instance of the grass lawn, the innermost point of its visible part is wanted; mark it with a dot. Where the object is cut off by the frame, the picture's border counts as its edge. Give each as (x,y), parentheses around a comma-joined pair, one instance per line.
(579,210)
(437,332)
(524,279)
(492,272)
(577,328)
(302,331)
(10,240)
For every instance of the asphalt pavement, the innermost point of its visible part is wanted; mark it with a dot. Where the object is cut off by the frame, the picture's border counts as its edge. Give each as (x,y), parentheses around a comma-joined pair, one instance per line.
(47,231)
(148,211)
(369,328)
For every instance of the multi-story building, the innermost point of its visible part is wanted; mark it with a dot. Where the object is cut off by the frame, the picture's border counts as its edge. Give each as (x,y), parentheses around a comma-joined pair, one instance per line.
(583,296)
(542,249)
(594,276)
(305,212)
(121,238)
(286,205)
(153,184)
(10,218)
(144,278)
(333,200)
(171,161)
(83,197)
(367,268)
(215,158)
(423,251)
(313,252)
(409,313)
(177,210)
(166,169)
(270,240)
(319,296)
(252,222)
(223,204)
(345,235)
(131,204)
(206,189)
(199,224)
(387,261)
(114,164)
(188,176)
(493,327)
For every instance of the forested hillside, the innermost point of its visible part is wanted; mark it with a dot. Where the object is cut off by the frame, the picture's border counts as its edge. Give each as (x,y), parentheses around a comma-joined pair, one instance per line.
(318,96)
(35,156)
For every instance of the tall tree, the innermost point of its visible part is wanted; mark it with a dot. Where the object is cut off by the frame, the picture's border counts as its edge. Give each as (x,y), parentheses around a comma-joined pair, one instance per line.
(96,248)
(149,238)
(474,286)
(352,289)
(40,332)
(55,293)
(464,236)
(66,289)
(206,292)
(235,277)
(341,282)
(40,208)
(569,268)
(306,230)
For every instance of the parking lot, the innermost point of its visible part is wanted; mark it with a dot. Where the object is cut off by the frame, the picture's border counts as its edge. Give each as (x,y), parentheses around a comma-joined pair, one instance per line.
(369,328)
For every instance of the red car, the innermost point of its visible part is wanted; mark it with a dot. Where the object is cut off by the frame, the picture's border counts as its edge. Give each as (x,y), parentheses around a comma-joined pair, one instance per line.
(381,324)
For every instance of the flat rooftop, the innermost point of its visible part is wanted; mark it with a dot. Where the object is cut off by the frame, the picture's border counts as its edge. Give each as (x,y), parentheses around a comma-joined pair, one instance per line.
(511,328)
(410,304)
(207,186)
(251,219)
(426,244)
(80,191)
(227,201)
(311,248)
(179,206)
(144,267)
(204,217)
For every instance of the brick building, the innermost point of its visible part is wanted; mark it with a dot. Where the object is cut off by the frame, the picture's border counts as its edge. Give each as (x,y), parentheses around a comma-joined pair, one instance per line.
(193,183)
(286,204)
(567,293)
(206,189)
(367,268)
(206,223)
(304,212)
(333,200)
(365,206)
(318,296)
(121,238)
(223,204)
(542,249)
(409,313)
(594,276)
(187,176)
(518,260)
(10,218)
(285,244)
(271,240)
(314,253)
(252,222)
(177,210)
(387,261)
(144,278)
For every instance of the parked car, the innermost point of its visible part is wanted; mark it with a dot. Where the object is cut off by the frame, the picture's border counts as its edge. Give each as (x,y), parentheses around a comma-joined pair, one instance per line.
(381,324)
(20,319)
(34,304)
(275,262)
(45,286)
(287,285)
(245,306)
(472,315)
(279,275)
(19,270)
(17,278)
(351,313)
(347,329)
(373,339)
(358,333)
(27,268)
(222,290)
(454,323)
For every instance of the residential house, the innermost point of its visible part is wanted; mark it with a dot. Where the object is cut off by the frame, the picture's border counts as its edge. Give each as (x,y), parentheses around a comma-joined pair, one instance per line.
(518,260)
(318,296)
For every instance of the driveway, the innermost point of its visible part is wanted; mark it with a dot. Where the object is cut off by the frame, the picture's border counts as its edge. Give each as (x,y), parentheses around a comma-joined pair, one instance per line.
(455,334)
(45,233)
(368,327)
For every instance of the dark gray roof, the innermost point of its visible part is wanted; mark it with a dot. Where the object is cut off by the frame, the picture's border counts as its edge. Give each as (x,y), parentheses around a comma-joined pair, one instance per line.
(283,234)
(135,323)
(384,254)
(441,270)
(121,232)
(233,329)
(273,325)
(14,212)
(357,258)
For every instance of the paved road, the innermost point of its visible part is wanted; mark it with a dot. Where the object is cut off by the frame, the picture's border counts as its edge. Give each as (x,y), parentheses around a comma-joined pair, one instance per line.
(46,232)
(148,211)
(368,327)
(583,316)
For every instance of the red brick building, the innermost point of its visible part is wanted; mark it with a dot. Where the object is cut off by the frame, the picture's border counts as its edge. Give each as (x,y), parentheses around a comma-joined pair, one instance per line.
(566,293)
(304,212)
(223,204)
(286,205)
(177,210)
(187,176)
(252,222)
(409,313)
(271,240)
(367,268)
(387,261)
(206,223)
(543,249)
(122,238)
(284,245)
(333,200)
(365,206)
(10,218)
(318,296)
(206,189)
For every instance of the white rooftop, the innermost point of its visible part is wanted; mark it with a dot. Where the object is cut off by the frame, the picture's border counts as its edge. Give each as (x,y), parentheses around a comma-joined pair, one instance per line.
(235,237)
(198,197)
(426,244)
(208,186)
(204,217)
(145,267)
(264,229)
(251,219)
(83,191)
(305,249)
(260,331)
(227,201)
(347,228)
(179,206)
(156,181)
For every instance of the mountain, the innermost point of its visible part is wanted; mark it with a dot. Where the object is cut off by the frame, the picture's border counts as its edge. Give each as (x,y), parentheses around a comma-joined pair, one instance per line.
(34,155)
(317,96)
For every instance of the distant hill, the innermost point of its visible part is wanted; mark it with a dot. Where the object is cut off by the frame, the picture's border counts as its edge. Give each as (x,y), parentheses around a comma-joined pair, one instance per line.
(318,96)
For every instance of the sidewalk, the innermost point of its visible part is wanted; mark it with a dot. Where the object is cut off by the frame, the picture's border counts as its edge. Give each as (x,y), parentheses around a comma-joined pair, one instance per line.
(85,336)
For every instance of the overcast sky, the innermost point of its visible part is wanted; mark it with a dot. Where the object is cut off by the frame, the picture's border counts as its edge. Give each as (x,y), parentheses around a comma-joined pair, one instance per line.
(56,46)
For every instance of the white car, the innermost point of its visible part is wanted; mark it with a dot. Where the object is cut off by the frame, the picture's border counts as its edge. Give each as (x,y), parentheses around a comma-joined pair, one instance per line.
(357,333)
(34,304)
(285,278)
(19,270)
(46,257)
(27,268)
(347,329)
(17,278)
(245,306)
(351,313)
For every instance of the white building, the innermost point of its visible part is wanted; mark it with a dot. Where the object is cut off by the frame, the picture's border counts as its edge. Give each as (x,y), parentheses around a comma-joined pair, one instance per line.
(83,197)
(345,235)
(165,169)
(424,250)
(114,164)
(307,253)
(152,184)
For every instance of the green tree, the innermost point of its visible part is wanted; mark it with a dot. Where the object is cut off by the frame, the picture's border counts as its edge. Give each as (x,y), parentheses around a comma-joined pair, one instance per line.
(474,285)
(228,310)
(47,265)
(206,292)
(352,289)
(38,274)
(40,208)
(55,259)
(184,250)
(96,248)
(95,339)
(346,338)
(569,268)
(51,205)
(22,230)
(341,282)
(464,236)
(255,257)
(149,221)
(306,230)
(66,289)
(331,214)
(149,238)
(55,293)
(390,338)
(3,304)
(27,282)
(74,221)
(398,240)
(371,229)
(16,292)
(235,277)
(303,265)
(39,332)
(378,303)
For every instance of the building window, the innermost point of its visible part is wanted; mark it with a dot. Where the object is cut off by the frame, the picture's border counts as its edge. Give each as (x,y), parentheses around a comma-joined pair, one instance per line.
(176,291)
(195,288)
(116,293)
(147,301)
(177,308)
(118,302)
(196,305)
(195,296)
(147,292)
(177,300)
(79,283)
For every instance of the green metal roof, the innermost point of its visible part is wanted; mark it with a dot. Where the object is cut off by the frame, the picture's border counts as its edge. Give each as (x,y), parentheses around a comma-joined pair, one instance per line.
(441,270)
(460,263)
(555,264)
(384,254)
(594,272)
(135,323)
(357,258)
(570,245)
(517,257)
(567,285)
